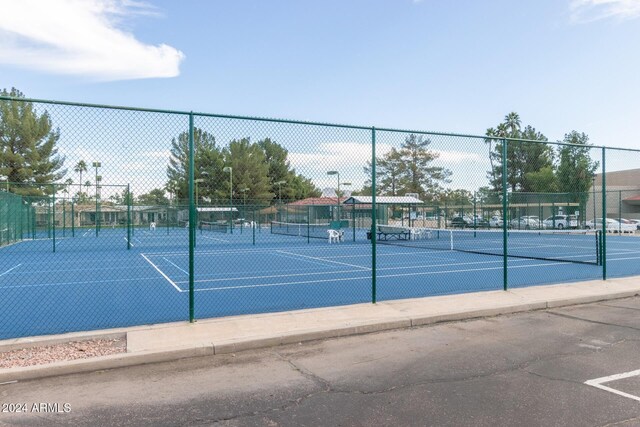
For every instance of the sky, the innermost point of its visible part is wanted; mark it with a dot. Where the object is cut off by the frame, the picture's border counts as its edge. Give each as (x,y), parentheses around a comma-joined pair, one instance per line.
(449,66)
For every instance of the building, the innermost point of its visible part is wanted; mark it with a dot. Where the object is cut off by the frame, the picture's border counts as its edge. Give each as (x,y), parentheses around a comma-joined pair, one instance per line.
(622,195)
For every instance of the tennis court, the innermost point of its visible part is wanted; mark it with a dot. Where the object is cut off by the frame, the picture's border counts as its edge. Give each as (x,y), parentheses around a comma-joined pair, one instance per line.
(254,270)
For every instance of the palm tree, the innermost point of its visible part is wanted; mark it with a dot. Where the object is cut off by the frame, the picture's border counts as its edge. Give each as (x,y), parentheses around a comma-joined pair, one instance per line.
(67,184)
(80,167)
(512,124)
(87,185)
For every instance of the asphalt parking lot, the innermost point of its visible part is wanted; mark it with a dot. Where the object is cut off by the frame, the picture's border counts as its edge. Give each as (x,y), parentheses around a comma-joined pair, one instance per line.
(523,369)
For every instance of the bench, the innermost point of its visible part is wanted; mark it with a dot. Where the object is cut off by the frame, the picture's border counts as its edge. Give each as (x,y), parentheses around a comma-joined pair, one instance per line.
(388,232)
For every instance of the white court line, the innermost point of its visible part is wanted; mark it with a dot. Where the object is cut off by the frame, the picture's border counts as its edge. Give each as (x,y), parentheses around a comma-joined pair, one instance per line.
(259,250)
(12,268)
(212,238)
(597,383)
(128,241)
(83,282)
(229,279)
(298,256)
(427,273)
(298,259)
(355,271)
(185,272)
(163,275)
(86,232)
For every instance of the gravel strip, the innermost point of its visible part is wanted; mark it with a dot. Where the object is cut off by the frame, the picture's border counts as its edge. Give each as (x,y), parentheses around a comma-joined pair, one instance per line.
(60,352)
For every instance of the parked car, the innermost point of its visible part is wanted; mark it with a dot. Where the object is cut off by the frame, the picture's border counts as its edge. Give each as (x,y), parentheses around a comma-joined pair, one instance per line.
(628,225)
(613,226)
(636,222)
(469,222)
(495,221)
(561,221)
(526,222)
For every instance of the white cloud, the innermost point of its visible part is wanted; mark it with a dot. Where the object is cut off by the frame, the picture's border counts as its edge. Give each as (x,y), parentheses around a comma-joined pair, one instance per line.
(449,157)
(81,37)
(345,157)
(584,11)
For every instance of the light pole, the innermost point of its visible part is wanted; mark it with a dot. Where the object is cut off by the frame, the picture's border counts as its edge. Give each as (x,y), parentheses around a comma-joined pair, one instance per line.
(229,169)
(244,206)
(279,184)
(337,191)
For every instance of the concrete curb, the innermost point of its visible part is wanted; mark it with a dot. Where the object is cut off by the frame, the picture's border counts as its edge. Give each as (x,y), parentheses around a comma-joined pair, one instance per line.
(207,338)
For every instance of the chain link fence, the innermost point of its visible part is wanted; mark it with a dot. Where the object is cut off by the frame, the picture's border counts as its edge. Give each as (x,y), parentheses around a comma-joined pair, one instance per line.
(113,216)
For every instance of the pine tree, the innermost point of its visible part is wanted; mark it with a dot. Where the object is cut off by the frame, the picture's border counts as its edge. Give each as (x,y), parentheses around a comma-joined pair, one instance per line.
(28,153)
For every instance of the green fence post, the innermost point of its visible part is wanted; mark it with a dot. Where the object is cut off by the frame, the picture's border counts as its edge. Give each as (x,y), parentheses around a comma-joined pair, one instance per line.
(308,224)
(373,215)
(73,219)
(64,217)
(619,211)
(128,217)
(604,217)
(192,219)
(53,220)
(504,220)
(475,223)
(353,218)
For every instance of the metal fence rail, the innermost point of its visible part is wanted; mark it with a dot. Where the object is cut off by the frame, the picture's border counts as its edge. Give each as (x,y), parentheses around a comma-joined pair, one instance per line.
(128,216)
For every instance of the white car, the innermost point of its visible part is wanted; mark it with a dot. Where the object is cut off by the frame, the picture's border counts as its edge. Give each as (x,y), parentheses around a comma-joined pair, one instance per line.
(526,223)
(561,221)
(636,222)
(613,226)
(495,221)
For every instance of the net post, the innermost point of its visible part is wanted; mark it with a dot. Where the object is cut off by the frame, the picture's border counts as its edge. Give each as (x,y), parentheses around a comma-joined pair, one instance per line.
(64,217)
(373,216)
(33,223)
(48,218)
(53,220)
(604,216)
(192,218)
(128,217)
(308,224)
(475,224)
(96,217)
(504,214)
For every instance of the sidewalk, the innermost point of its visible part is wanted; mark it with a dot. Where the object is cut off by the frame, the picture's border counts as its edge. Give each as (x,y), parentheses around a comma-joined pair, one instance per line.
(164,342)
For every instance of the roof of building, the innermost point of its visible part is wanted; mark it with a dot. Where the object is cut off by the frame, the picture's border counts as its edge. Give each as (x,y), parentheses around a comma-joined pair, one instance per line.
(319,201)
(384,200)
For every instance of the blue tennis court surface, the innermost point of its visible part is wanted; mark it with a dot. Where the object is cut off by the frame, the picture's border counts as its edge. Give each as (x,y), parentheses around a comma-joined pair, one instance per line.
(95,282)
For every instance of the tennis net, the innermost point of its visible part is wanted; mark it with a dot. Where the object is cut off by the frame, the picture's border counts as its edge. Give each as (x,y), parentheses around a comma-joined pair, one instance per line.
(216,227)
(316,231)
(577,246)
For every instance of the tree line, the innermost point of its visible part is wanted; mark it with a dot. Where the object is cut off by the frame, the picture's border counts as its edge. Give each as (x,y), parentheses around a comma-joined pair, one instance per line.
(261,171)
(532,167)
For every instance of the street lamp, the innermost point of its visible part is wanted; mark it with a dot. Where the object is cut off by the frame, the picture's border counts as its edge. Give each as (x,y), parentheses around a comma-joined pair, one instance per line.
(229,169)
(244,206)
(337,191)
(279,184)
